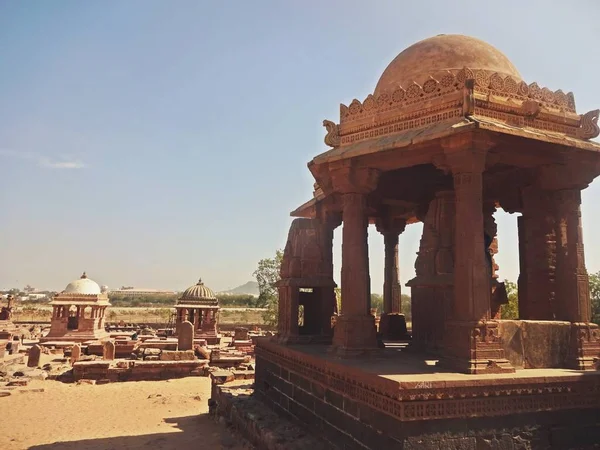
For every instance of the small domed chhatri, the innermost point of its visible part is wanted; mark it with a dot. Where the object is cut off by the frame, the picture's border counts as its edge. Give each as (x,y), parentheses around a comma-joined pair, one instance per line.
(78,313)
(199,305)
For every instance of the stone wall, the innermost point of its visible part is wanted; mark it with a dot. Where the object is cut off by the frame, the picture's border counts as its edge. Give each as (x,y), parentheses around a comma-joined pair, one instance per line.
(348,423)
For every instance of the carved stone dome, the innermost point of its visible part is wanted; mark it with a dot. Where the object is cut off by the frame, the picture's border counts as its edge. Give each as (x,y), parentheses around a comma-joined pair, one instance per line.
(439,54)
(198,292)
(83,286)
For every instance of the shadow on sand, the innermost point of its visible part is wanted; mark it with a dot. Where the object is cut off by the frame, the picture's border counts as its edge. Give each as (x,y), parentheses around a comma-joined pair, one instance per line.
(198,432)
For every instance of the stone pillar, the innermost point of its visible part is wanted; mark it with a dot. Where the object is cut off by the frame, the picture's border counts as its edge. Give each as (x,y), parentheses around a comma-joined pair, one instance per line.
(473,343)
(572,282)
(185,339)
(391,285)
(354,331)
(540,254)
(391,326)
(522,280)
(35,352)
(331,220)
(108,352)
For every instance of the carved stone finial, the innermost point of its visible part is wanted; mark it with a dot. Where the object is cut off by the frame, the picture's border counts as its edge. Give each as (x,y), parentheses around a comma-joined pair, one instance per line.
(588,125)
(332,138)
(84,275)
(199,281)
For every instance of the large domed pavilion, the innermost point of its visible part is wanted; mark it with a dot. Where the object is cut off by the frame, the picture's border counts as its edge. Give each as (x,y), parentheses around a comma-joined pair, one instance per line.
(451,132)
(78,312)
(199,305)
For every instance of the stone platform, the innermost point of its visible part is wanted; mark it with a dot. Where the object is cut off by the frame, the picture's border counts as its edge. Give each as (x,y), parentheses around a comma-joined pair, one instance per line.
(124,370)
(398,399)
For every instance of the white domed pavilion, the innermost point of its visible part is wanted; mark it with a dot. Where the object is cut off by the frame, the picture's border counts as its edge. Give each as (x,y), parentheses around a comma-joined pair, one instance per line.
(78,312)
(199,305)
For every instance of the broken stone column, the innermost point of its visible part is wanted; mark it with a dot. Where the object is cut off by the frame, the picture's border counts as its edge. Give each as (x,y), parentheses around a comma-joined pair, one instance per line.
(185,339)
(75,353)
(108,351)
(34,356)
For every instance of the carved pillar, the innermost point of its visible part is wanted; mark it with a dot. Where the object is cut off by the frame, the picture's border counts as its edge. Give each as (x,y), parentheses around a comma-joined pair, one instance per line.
(522,280)
(197,314)
(572,282)
(391,228)
(355,330)
(538,225)
(331,220)
(473,342)
(432,290)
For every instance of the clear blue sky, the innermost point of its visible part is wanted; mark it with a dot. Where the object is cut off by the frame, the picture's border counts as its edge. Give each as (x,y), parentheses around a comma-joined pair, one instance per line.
(153,142)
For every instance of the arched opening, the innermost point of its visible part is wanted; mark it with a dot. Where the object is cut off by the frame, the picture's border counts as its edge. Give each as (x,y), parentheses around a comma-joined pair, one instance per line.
(73,320)
(506,260)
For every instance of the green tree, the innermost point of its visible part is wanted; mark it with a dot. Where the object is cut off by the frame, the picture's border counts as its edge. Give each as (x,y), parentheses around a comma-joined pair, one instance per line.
(377,302)
(406,306)
(267,275)
(511,309)
(595,296)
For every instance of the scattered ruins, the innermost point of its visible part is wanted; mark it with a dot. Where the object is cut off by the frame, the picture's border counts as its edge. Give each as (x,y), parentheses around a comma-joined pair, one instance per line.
(199,305)
(451,133)
(78,313)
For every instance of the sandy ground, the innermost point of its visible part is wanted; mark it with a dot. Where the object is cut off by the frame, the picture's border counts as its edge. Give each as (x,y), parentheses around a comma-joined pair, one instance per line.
(146,414)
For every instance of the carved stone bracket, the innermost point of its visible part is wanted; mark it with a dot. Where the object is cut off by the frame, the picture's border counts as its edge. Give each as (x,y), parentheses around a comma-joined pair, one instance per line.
(588,128)
(332,138)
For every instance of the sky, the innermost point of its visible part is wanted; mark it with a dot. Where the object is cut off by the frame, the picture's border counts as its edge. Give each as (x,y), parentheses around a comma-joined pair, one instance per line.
(151,143)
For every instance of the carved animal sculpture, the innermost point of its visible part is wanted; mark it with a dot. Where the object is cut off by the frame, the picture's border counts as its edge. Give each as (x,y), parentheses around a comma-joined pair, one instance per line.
(589,125)
(332,137)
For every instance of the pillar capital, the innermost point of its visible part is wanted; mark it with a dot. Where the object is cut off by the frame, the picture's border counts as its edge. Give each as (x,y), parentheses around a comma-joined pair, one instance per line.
(346,178)
(387,224)
(464,153)
(574,174)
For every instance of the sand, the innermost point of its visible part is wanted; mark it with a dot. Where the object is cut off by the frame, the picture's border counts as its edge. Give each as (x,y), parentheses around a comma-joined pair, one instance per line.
(146,414)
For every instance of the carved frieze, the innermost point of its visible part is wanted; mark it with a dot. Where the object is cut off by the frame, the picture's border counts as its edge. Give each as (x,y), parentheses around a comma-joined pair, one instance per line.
(461,93)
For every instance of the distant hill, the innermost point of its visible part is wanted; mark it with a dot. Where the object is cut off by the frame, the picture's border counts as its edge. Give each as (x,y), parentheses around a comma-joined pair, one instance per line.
(249,288)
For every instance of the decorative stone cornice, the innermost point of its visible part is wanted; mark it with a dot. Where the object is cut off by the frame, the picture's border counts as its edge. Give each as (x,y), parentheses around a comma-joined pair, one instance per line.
(461,93)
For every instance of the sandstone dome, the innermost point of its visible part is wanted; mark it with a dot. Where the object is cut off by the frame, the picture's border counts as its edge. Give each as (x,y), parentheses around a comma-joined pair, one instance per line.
(198,292)
(83,286)
(440,54)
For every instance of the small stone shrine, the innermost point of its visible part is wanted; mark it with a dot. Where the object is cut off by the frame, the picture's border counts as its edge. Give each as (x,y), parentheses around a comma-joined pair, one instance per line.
(199,305)
(78,313)
(451,132)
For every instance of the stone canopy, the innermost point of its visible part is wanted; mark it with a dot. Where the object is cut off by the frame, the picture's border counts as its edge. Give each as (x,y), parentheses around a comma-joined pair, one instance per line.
(451,133)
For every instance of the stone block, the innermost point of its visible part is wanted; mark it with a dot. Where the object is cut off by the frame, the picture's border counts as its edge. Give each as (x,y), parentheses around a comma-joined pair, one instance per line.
(222,376)
(535,344)
(185,355)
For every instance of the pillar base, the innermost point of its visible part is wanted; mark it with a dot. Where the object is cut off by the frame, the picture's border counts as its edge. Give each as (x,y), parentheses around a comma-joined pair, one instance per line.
(585,346)
(474,348)
(354,335)
(392,327)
